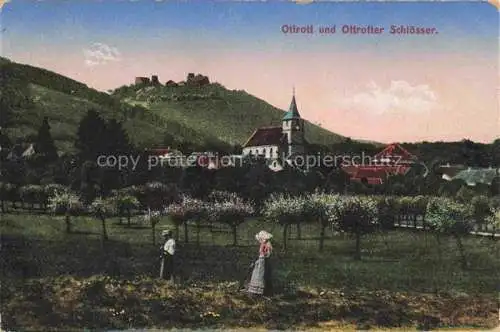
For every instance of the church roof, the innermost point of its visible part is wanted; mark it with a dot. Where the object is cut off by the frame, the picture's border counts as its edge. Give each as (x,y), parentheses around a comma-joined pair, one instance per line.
(265,136)
(293,112)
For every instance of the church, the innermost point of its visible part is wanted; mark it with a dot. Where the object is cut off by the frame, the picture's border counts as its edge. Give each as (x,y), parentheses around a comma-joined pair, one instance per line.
(279,143)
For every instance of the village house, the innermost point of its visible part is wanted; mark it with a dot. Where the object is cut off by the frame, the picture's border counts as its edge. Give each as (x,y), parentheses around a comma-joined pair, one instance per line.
(392,160)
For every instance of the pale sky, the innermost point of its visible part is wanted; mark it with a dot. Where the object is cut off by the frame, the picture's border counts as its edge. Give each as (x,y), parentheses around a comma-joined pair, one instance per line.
(378,87)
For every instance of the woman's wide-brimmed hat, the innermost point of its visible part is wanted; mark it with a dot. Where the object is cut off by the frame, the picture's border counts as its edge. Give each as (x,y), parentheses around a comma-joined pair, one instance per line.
(166,232)
(263,236)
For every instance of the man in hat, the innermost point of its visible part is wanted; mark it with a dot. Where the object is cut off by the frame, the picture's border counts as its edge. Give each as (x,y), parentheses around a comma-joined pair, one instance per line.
(167,256)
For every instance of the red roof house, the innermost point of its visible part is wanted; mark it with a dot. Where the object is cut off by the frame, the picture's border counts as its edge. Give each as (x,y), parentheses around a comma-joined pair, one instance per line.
(393,160)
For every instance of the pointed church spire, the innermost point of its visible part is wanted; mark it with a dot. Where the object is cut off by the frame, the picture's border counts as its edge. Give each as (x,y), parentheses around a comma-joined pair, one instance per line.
(293,112)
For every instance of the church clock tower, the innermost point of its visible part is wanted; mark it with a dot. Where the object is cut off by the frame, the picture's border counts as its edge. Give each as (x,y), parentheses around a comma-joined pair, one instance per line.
(293,130)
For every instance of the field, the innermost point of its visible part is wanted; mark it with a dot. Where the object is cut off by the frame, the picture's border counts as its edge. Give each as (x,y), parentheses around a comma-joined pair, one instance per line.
(57,281)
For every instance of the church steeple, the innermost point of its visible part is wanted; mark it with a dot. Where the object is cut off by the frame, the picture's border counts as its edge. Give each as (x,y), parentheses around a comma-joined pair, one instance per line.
(293,112)
(293,129)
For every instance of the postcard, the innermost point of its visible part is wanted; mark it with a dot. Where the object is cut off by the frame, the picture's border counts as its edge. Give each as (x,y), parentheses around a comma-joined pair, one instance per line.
(249,165)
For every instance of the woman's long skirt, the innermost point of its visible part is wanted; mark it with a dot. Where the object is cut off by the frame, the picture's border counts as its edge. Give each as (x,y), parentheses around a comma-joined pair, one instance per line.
(256,285)
(167,267)
(268,283)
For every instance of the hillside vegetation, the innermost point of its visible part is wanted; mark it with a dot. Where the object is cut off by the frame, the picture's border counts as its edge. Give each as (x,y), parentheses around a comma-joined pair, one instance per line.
(209,117)
(230,115)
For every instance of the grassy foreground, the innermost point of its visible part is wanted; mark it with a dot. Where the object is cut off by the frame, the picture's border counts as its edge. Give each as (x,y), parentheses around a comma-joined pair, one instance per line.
(54,281)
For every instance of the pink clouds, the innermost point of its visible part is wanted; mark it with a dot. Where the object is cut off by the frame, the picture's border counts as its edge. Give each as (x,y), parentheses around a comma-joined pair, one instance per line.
(403,97)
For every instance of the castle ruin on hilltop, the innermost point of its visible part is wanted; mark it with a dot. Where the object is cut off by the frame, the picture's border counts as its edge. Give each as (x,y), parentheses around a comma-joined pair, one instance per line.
(191,80)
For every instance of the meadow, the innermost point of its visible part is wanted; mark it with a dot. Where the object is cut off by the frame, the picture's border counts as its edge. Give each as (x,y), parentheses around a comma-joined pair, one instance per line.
(52,280)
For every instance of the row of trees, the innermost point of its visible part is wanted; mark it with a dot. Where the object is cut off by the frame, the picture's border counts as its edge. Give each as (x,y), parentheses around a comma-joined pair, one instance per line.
(357,215)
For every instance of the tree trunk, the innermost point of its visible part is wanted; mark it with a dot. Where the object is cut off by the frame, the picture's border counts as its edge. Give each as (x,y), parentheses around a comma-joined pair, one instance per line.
(153,230)
(120,216)
(128,217)
(104,230)
(186,232)
(299,232)
(68,223)
(177,231)
(322,237)
(285,233)
(462,252)
(3,206)
(358,245)
(197,232)
(235,234)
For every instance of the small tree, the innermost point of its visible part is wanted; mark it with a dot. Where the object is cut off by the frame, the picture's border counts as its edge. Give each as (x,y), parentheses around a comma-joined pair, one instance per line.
(125,203)
(355,214)
(178,215)
(316,208)
(153,218)
(232,211)
(481,209)
(286,211)
(103,209)
(67,204)
(446,216)
(185,209)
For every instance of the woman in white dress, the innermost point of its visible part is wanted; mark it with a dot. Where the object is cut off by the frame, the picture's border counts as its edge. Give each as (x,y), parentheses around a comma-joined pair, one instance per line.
(260,282)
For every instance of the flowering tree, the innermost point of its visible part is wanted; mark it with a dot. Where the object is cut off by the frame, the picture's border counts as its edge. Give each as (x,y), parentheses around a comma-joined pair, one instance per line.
(355,214)
(102,209)
(186,209)
(285,210)
(67,204)
(446,216)
(317,207)
(51,189)
(230,210)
